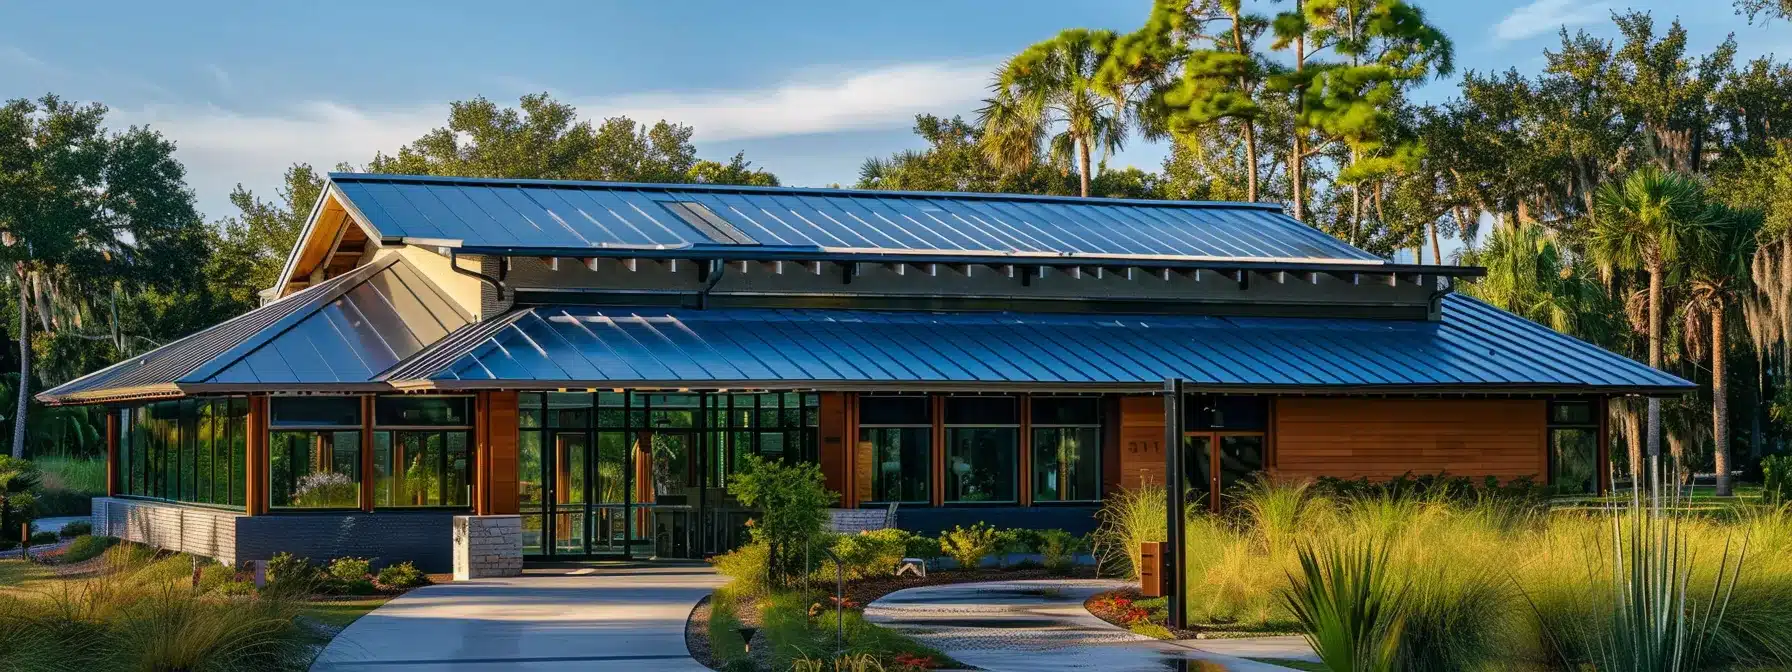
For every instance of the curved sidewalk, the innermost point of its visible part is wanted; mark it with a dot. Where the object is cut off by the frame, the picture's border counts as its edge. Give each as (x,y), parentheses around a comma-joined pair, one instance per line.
(601,617)
(1036,626)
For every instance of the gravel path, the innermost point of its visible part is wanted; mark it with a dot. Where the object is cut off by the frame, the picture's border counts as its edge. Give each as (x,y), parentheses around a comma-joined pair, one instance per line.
(1036,626)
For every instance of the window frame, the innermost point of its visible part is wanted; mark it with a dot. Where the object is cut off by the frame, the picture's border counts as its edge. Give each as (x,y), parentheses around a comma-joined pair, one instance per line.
(1099,425)
(928,484)
(1592,425)
(362,444)
(1014,459)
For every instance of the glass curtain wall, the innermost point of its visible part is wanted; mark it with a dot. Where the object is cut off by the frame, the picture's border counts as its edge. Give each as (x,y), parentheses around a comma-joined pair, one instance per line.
(187,450)
(314,452)
(638,474)
(422,454)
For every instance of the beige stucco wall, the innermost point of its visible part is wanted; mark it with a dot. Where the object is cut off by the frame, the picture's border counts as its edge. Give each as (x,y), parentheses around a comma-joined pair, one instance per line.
(462,289)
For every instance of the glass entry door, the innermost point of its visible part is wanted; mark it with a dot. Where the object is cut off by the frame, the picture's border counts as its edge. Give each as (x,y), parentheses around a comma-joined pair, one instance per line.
(1238,456)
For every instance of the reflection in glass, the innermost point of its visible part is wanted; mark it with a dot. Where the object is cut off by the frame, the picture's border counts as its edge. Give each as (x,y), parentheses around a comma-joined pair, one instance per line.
(980,464)
(1573,454)
(1066,464)
(1197,467)
(314,469)
(1240,458)
(903,459)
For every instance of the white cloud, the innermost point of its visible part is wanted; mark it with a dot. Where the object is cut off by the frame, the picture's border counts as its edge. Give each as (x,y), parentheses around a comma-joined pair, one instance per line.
(1546,16)
(222,147)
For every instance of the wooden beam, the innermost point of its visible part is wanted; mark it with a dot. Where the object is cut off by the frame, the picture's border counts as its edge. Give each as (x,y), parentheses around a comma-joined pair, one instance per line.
(112,453)
(369,489)
(255,470)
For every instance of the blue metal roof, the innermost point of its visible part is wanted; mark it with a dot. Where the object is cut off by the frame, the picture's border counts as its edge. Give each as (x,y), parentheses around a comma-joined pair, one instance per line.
(1474,348)
(541,215)
(344,330)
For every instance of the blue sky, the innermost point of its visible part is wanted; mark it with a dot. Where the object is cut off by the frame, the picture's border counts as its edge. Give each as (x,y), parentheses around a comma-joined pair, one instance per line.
(807,89)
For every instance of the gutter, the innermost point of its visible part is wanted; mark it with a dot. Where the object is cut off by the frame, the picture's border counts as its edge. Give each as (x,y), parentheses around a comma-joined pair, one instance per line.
(454,263)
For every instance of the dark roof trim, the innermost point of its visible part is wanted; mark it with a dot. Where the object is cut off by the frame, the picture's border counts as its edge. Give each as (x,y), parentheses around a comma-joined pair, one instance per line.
(811,191)
(803,254)
(1042,387)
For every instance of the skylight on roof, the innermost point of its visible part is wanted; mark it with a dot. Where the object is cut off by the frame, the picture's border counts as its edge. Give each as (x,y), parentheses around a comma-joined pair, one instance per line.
(700,217)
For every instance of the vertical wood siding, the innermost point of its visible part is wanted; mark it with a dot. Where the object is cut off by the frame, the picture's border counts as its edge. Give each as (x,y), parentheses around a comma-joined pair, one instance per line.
(1141,445)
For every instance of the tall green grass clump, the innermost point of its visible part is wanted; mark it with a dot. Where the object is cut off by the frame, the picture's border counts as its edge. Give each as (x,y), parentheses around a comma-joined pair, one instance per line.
(1491,578)
(1348,606)
(141,612)
(1127,519)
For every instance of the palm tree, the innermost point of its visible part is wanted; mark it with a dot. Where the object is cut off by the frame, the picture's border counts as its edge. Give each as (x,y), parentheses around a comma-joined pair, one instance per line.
(1047,95)
(1639,223)
(1718,278)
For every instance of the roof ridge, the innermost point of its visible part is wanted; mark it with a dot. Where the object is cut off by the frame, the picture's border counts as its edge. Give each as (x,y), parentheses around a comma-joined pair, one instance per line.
(839,191)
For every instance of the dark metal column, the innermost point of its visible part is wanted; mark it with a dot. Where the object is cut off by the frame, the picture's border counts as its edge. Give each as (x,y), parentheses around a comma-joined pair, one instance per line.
(1176,573)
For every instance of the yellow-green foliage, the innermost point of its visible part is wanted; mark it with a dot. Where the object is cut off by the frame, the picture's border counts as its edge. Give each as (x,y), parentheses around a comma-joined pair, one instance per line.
(745,568)
(143,613)
(1129,518)
(1485,577)
(968,546)
(870,553)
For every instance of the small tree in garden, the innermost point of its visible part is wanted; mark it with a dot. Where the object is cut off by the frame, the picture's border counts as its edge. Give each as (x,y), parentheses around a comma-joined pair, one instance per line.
(17,479)
(793,500)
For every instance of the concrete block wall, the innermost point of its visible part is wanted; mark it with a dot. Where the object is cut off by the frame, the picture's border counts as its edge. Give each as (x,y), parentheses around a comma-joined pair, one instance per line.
(487,546)
(189,529)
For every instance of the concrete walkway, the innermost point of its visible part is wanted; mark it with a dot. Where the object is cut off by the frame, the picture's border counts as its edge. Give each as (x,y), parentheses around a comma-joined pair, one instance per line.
(598,617)
(1036,626)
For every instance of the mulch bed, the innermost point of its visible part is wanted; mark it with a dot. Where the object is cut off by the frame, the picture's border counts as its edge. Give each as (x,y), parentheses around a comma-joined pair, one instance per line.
(860,593)
(1113,607)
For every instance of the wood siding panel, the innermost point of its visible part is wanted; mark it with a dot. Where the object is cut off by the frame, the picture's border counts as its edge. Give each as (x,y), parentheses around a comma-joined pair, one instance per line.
(1384,438)
(834,445)
(501,453)
(1141,444)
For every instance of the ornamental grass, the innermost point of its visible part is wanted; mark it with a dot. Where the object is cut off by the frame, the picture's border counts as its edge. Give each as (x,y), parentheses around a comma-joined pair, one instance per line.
(1486,582)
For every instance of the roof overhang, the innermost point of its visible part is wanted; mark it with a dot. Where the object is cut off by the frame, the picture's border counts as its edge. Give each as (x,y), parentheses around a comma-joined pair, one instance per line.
(766,253)
(330,215)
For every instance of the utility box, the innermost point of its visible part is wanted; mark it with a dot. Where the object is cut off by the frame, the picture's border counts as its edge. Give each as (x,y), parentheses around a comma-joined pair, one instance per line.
(1151,568)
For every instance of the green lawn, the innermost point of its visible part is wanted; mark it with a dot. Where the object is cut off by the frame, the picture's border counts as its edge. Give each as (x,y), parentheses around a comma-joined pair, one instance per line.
(340,613)
(20,575)
(1296,664)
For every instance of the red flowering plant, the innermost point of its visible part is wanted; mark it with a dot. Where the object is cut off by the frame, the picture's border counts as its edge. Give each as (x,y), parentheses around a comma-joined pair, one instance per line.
(910,661)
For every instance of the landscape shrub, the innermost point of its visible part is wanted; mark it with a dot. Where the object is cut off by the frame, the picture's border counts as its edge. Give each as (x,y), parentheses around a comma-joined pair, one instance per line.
(793,499)
(18,481)
(745,568)
(351,576)
(917,546)
(1059,549)
(872,553)
(402,576)
(76,529)
(1776,479)
(8,544)
(968,546)
(45,537)
(87,547)
(288,574)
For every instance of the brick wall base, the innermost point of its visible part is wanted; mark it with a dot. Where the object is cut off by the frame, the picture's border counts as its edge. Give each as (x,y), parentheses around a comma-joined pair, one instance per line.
(189,529)
(487,546)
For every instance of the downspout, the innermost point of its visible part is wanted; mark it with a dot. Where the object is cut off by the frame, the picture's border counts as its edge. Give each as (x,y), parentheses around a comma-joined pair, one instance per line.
(496,283)
(715,270)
